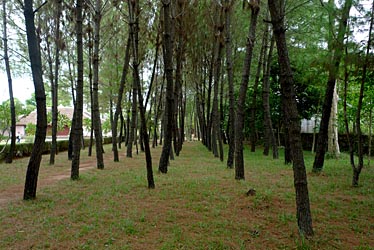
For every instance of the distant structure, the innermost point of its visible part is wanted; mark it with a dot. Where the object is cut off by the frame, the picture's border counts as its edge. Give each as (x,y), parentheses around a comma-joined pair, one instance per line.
(31,118)
(310,126)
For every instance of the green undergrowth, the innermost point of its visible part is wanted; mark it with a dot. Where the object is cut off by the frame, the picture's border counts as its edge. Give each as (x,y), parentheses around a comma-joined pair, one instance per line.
(197,205)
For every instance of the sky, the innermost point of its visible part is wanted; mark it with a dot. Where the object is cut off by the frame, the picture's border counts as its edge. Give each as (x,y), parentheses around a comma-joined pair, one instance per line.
(22,88)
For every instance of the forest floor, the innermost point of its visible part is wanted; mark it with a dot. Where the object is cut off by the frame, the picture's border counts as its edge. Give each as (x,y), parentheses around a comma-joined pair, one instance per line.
(197,205)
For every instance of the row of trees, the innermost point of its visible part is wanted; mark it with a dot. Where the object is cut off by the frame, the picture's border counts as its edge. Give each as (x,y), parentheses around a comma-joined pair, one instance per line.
(205,82)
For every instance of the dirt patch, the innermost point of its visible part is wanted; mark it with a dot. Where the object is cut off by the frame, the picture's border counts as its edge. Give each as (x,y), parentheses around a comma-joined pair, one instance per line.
(47,177)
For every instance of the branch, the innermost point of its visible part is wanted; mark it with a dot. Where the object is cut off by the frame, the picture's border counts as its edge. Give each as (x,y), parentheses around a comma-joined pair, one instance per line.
(41,6)
(297,6)
(19,54)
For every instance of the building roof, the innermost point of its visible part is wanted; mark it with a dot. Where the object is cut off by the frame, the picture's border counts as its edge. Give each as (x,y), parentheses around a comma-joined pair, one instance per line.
(68,111)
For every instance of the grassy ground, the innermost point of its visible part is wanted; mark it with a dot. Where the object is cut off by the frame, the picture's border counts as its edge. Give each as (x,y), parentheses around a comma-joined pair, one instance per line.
(197,205)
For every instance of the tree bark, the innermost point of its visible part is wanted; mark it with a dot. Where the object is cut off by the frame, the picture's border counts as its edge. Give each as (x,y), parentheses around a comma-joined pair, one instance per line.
(41,123)
(253,107)
(10,155)
(360,150)
(304,217)
(95,87)
(133,127)
(134,27)
(333,73)
(333,138)
(119,101)
(216,132)
(78,107)
(239,122)
(268,124)
(90,81)
(54,84)
(230,77)
(169,103)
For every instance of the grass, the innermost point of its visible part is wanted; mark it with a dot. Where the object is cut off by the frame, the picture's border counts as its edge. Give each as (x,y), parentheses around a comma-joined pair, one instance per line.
(197,205)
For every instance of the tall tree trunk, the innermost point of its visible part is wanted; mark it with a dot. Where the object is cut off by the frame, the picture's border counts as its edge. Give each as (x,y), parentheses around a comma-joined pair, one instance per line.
(216,132)
(119,101)
(333,142)
(90,81)
(265,90)
(304,217)
(134,27)
(122,131)
(239,122)
(333,73)
(54,84)
(253,107)
(346,122)
(133,127)
(169,103)
(95,87)
(370,131)
(41,123)
(209,102)
(268,124)
(230,78)
(9,157)
(178,74)
(360,143)
(78,107)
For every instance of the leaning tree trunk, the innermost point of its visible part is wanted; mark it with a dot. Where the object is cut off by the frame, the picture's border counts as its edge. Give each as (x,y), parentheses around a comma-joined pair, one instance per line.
(169,103)
(119,101)
(9,157)
(134,23)
(304,217)
(95,87)
(41,123)
(333,74)
(239,122)
(230,78)
(78,107)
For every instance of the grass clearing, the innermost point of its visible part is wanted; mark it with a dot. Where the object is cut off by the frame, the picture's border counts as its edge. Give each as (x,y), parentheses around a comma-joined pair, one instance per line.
(197,205)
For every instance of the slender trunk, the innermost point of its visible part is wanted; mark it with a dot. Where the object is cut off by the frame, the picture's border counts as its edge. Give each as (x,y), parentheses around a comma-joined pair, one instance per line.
(9,157)
(90,80)
(132,132)
(119,101)
(360,150)
(169,103)
(270,137)
(370,131)
(55,85)
(121,131)
(333,142)
(134,27)
(239,122)
(304,217)
(78,107)
(95,87)
(333,73)
(253,108)
(346,122)
(230,77)
(41,123)
(265,90)
(216,132)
